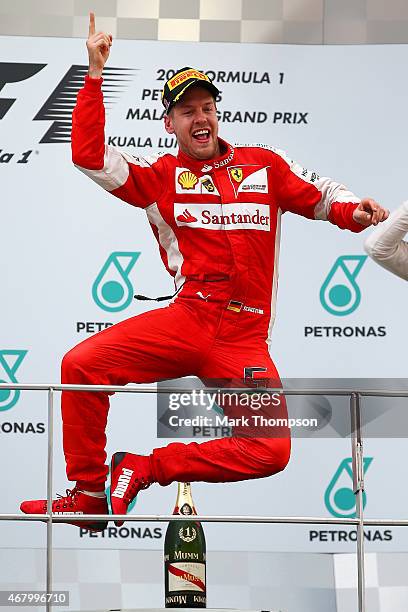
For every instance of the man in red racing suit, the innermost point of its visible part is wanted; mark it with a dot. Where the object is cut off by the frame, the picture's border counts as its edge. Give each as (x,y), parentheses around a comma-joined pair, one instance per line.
(216,219)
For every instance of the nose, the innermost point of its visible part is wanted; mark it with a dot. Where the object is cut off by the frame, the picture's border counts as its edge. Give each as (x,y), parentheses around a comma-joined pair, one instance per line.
(199,116)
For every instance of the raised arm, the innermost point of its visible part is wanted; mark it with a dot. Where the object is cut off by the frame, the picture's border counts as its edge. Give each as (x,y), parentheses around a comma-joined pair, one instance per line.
(134,179)
(386,245)
(88,119)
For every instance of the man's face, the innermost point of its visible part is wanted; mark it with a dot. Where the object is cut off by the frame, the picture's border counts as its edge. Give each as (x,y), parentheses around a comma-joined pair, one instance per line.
(194,122)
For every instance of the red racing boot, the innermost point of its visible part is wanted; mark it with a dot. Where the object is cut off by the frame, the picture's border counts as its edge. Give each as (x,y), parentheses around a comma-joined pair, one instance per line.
(74,502)
(129,475)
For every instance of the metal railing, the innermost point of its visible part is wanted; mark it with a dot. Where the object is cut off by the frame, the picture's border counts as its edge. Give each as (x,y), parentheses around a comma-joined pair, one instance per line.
(357,469)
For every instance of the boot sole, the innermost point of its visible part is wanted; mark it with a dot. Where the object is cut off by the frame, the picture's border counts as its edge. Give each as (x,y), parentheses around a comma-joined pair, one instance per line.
(116,459)
(94,527)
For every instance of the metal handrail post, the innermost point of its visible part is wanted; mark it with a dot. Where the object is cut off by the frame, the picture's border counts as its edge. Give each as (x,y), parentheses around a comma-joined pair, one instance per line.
(357,469)
(49,493)
(358,489)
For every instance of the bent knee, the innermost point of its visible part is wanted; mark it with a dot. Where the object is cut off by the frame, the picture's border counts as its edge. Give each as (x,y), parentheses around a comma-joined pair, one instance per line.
(74,365)
(276,455)
(283,453)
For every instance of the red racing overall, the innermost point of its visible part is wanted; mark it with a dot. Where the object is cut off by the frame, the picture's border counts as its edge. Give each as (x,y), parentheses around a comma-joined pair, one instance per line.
(217,223)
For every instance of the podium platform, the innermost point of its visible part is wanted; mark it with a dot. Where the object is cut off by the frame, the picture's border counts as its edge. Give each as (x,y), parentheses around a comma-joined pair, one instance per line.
(174,610)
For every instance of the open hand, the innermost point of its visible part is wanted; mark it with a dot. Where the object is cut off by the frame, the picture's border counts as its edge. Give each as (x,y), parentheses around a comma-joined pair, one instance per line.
(369,212)
(98,45)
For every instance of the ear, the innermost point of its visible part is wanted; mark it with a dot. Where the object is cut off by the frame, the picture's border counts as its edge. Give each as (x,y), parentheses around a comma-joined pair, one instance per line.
(168,124)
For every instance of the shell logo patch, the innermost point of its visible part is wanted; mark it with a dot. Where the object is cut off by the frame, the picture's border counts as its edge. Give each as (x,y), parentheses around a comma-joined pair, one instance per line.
(187,180)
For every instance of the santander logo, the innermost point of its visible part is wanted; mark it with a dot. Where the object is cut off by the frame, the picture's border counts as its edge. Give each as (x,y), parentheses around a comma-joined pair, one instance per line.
(243,215)
(186,217)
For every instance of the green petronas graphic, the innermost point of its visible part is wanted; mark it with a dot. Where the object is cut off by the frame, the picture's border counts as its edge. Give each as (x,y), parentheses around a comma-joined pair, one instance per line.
(112,290)
(340,295)
(339,497)
(10,361)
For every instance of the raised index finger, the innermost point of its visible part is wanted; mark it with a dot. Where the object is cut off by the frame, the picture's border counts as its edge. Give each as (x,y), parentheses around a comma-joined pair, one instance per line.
(91,24)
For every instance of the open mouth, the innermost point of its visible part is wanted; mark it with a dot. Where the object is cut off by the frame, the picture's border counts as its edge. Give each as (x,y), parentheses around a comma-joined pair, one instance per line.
(202,135)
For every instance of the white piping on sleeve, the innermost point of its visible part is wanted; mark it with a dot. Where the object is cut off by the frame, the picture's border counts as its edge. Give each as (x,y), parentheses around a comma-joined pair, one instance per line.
(330,190)
(115,169)
(168,241)
(275,275)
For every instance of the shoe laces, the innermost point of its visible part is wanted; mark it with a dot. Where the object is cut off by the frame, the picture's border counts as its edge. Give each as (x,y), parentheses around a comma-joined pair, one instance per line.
(136,485)
(66,501)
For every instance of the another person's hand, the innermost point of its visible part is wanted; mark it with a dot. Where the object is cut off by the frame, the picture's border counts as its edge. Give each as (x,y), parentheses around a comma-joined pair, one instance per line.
(98,46)
(369,212)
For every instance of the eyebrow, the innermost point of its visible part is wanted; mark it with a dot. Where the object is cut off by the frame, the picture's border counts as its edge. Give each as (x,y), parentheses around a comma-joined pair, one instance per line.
(187,105)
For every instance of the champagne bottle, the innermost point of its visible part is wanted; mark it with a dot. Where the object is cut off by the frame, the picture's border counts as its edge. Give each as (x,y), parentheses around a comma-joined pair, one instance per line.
(184,556)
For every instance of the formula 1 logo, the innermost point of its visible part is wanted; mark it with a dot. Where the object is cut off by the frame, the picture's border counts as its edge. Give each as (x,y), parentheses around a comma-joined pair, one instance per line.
(112,290)
(10,361)
(59,105)
(340,294)
(13,73)
(339,497)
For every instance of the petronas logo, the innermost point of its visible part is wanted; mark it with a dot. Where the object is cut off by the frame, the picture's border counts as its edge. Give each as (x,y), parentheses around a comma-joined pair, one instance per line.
(112,290)
(10,361)
(340,294)
(339,497)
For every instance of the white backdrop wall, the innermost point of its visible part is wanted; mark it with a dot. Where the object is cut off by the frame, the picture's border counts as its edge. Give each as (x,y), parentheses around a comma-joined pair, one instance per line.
(58,231)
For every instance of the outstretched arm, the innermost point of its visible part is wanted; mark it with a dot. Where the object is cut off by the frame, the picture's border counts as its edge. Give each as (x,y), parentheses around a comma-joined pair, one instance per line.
(386,245)
(306,193)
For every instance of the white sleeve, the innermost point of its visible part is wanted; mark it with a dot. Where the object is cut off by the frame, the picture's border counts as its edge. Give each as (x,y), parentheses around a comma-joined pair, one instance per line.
(386,245)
